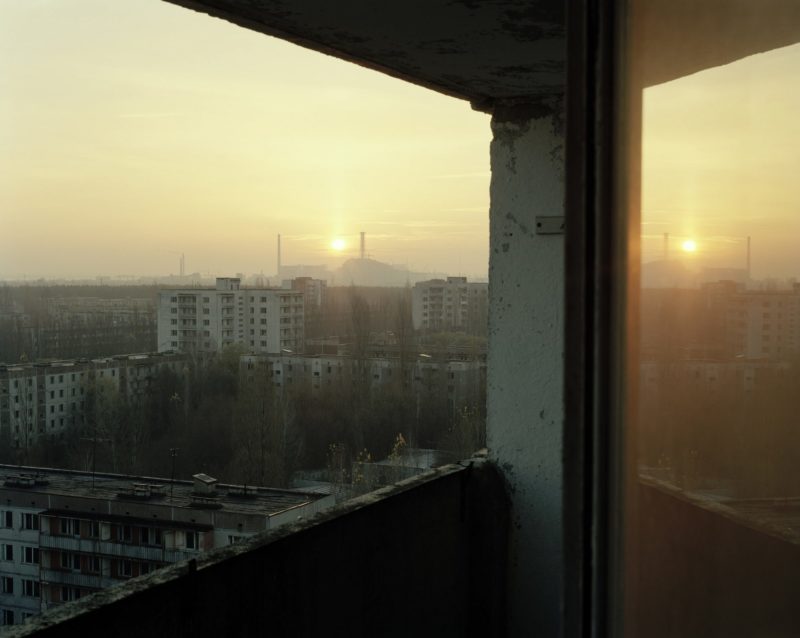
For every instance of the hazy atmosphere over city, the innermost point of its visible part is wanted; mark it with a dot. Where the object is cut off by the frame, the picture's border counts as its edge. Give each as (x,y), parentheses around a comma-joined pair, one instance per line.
(264,367)
(132,132)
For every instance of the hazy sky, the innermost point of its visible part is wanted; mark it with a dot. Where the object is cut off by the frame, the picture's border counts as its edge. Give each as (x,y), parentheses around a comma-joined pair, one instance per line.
(133,131)
(722,161)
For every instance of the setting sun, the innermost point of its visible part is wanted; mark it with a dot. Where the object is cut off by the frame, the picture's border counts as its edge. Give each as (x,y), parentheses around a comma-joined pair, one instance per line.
(338,244)
(689,246)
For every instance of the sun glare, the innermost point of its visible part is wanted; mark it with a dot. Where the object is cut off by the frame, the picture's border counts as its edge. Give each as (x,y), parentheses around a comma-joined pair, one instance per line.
(689,246)
(338,244)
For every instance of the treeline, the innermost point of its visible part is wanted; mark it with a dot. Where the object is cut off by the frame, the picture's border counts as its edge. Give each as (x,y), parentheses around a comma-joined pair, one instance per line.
(30,330)
(242,429)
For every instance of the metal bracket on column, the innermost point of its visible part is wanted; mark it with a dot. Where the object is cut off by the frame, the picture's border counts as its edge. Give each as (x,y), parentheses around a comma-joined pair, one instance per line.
(550,225)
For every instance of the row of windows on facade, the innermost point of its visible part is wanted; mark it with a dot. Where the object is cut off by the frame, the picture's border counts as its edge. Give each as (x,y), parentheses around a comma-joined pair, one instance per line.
(60,377)
(224,298)
(75,405)
(261,343)
(285,309)
(85,564)
(227,333)
(28,587)
(132,534)
(52,394)
(143,535)
(89,565)
(25,520)
(8,617)
(27,555)
(52,381)
(226,322)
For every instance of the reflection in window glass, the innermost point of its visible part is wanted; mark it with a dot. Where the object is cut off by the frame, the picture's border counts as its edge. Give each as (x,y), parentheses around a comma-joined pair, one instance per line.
(717,498)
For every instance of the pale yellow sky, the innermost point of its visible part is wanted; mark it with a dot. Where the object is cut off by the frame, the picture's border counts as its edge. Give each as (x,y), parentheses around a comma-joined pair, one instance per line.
(722,161)
(133,131)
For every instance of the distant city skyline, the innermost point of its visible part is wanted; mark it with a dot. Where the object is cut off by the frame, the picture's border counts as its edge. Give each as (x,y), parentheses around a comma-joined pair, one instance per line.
(133,132)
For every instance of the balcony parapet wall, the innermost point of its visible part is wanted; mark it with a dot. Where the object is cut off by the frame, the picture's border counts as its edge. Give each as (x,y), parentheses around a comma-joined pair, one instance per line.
(425,556)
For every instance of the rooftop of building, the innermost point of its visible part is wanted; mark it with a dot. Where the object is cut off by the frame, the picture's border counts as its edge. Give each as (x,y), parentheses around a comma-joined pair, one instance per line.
(232,499)
(139,357)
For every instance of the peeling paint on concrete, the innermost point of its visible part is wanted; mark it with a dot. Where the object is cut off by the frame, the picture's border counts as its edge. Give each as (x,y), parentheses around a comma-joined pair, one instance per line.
(526,344)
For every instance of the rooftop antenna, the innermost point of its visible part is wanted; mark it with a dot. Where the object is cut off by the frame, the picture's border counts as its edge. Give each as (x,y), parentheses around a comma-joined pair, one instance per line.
(279,256)
(362,244)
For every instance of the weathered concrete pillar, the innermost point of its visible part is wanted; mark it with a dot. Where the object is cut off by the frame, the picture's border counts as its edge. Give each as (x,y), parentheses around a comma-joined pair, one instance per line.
(526,346)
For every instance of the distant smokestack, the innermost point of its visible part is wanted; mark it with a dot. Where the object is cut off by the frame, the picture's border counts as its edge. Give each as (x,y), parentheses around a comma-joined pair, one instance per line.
(748,256)
(666,246)
(279,255)
(183,264)
(362,244)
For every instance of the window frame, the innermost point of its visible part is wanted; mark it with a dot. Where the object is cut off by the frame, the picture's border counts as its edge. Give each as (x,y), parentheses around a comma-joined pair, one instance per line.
(597,280)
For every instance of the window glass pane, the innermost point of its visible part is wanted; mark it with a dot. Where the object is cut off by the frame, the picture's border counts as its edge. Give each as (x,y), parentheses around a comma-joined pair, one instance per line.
(715,496)
(179,358)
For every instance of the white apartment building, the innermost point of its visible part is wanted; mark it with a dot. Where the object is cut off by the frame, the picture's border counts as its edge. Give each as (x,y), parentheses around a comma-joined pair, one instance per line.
(66,534)
(206,320)
(49,397)
(451,304)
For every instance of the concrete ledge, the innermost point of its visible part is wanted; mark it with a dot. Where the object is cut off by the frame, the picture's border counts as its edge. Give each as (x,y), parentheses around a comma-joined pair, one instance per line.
(704,569)
(424,556)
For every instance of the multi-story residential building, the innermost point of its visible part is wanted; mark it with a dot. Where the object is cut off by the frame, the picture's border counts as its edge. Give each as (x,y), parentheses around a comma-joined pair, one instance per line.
(462,382)
(204,320)
(65,534)
(48,397)
(313,290)
(451,304)
(720,321)
(760,324)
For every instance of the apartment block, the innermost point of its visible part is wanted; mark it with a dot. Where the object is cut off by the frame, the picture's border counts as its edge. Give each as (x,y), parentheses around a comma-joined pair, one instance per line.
(66,534)
(48,397)
(461,381)
(451,304)
(760,324)
(720,321)
(205,320)
(313,289)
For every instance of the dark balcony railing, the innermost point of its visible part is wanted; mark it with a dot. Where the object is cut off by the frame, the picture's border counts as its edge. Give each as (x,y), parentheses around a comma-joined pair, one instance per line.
(425,557)
(111,548)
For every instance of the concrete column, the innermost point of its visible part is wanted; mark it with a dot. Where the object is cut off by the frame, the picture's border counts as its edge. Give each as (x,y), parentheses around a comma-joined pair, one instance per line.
(526,347)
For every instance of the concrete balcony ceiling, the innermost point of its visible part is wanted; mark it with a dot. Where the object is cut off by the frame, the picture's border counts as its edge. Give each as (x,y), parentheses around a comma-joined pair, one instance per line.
(489,50)
(477,50)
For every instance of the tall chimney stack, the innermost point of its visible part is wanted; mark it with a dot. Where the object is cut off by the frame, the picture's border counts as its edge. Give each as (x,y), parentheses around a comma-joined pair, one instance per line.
(279,256)
(666,246)
(362,244)
(748,257)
